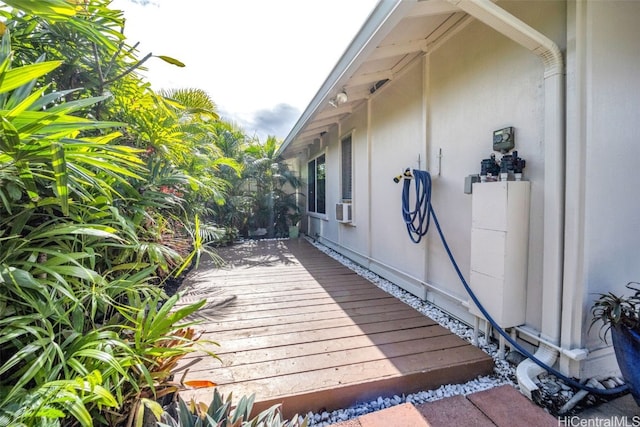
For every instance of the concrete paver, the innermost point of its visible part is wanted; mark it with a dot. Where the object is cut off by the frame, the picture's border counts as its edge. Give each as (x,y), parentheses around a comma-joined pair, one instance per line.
(506,406)
(405,415)
(453,411)
(499,406)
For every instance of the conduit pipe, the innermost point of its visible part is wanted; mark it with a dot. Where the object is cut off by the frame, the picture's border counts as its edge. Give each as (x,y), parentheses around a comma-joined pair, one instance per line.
(554,148)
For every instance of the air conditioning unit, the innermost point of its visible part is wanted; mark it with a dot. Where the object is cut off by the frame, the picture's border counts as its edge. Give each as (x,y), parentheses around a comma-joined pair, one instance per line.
(343,212)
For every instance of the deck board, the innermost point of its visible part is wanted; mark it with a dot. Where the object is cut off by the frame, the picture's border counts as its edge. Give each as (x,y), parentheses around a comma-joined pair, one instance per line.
(296,327)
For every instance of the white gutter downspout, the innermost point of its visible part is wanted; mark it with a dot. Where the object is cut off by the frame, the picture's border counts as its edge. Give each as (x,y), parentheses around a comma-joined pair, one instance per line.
(554,158)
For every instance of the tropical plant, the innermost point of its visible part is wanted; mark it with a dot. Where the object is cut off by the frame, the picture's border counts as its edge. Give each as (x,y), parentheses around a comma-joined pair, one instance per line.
(234,211)
(86,35)
(613,310)
(220,413)
(81,336)
(620,315)
(181,137)
(294,217)
(159,338)
(103,185)
(275,193)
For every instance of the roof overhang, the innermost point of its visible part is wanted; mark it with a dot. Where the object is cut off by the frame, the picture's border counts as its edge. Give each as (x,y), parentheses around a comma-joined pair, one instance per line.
(394,34)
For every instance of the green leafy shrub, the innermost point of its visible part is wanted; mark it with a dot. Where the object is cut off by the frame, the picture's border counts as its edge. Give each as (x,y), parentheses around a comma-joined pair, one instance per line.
(82,337)
(219,413)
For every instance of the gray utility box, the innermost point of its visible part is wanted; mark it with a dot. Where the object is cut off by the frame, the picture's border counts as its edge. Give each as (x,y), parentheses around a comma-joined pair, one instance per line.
(499,249)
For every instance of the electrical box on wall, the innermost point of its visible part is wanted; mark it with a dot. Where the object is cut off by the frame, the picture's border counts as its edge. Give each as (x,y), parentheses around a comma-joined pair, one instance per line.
(504,140)
(499,249)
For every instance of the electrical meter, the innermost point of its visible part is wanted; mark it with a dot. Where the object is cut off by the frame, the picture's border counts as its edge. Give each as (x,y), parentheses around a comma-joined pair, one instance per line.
(504,140)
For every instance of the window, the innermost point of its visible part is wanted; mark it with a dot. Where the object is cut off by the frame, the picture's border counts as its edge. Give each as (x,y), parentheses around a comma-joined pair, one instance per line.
(347,169)
(316,186)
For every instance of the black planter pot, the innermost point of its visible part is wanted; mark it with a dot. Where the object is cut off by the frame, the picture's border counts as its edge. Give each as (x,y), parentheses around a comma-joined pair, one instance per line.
(626,344)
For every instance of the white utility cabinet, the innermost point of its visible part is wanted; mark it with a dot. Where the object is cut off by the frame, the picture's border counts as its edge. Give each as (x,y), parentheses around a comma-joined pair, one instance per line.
(499,249)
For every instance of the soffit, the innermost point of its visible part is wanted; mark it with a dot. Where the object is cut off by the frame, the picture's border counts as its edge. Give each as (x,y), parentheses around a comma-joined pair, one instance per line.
(420,25)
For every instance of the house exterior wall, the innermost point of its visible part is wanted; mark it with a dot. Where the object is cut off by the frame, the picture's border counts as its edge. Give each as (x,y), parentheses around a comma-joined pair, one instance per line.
(387,137)
(449,103)
(397,140)
(603,201)
(350,235)
(444,108)
(480,81)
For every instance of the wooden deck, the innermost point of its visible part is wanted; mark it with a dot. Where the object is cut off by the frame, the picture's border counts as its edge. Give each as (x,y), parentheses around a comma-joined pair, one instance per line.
(297,327)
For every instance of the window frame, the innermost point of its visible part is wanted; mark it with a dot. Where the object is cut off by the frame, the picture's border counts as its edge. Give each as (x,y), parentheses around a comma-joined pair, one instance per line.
(343,179)
(319,192)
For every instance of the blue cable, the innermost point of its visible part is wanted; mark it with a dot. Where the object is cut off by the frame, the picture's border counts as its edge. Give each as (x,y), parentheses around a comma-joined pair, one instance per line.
(423,179)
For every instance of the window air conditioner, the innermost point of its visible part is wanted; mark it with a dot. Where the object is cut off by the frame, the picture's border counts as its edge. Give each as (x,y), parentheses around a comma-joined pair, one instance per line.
(343,212)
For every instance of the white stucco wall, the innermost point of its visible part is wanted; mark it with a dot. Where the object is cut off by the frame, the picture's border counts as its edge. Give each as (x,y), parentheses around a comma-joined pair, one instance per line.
(612,209)
(479,81)
(354,236)
(397,135)
(603,152)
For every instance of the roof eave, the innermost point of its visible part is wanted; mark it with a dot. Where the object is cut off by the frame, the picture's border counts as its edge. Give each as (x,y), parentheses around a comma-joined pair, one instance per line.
(380,22)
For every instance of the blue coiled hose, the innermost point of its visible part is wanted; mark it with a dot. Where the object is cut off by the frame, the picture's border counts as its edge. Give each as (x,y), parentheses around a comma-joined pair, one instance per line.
(417,221)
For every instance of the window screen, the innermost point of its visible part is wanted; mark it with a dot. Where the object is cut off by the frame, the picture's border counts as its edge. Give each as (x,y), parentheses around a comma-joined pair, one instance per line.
(347,169)
(316,170)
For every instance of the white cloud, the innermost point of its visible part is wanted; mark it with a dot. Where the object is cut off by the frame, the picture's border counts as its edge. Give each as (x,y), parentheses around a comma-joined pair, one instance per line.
(251,56)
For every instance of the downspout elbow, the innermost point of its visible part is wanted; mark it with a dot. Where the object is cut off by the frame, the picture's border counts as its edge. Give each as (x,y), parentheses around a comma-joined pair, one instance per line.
(517,30)
(552,59)
(528,370)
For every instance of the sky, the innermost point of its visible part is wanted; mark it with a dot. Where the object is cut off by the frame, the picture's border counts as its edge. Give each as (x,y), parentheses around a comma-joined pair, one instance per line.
(260,61)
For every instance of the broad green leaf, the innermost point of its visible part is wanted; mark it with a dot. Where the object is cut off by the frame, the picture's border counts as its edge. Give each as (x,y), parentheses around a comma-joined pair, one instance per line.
(101,356)
(16,77)
(69,107)
(28,180)
(164,322)
(15,329)
(42,122)
(49,8)
(171,60)
(152,405)
(105,232)
(42,351)
(48,98)
(18,277)
(22,92)
(98,161)
(62,178)
(47,412)
(79,272)
(5,202)
(5,48)
(11,140)
(14,191)
(77,409)
(26,103)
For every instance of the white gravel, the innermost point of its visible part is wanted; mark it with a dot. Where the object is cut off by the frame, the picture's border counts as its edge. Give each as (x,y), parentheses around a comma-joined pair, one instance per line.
(504,373)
